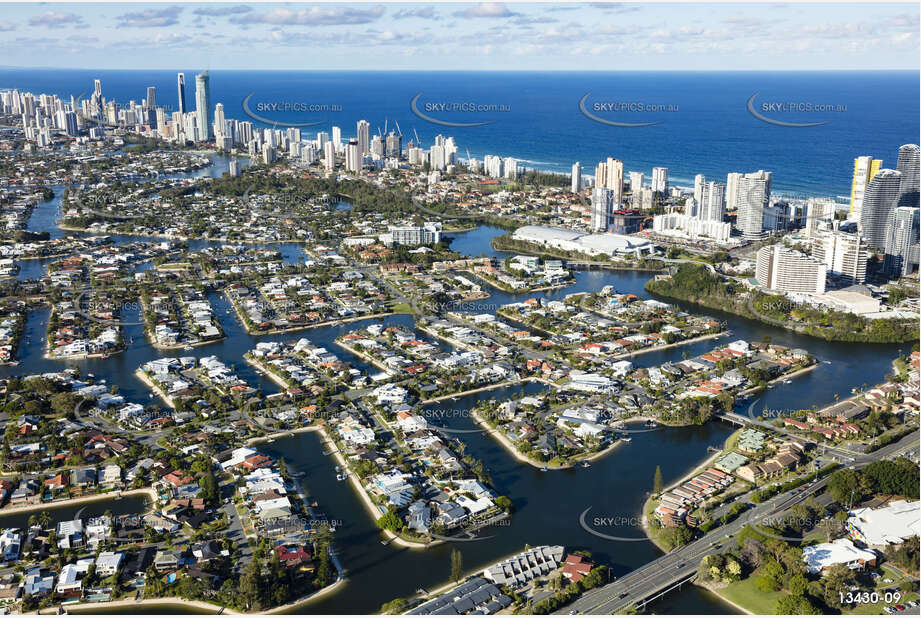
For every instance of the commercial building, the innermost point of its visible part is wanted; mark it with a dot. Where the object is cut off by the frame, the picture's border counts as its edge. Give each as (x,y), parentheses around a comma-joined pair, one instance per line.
(699,181)
(908,165)
(591,244)
(886,526)
(203,106)
(785,270)
(902,242)
(636,181)
(353,156)
(843,254)
(823,556)
(602,206)
(686,226)
(820,212)
(711,206)
(865,168)
(410,235)
(576,179)
(643,198)
(732,190)
(180,87)
(625,222)
(660,180)
(879,201)
(610,175)
(753,196)
(363,135)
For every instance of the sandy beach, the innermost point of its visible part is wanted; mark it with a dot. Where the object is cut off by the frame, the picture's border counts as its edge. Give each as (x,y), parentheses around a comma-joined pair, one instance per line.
(89,608)
(156,389)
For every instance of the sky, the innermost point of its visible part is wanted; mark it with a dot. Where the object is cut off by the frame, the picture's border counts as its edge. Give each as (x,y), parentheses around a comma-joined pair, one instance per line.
(461,36)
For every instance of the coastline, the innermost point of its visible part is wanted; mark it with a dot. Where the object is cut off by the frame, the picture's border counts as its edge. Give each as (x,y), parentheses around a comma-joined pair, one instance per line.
(87,608)
(781,378)
(245,321)
(153,387)
(724,599)
(479,389)
(112,495)
(365,357)
(657,348)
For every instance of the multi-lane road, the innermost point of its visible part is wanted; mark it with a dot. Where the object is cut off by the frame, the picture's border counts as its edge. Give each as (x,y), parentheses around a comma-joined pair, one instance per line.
(681,564)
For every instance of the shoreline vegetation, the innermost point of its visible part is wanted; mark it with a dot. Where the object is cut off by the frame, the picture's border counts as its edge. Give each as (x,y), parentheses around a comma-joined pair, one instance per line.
(697,285)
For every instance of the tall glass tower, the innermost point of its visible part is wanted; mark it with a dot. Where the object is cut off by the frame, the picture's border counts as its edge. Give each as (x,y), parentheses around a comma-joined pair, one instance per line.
(203,105)
(180,86)
(909,166)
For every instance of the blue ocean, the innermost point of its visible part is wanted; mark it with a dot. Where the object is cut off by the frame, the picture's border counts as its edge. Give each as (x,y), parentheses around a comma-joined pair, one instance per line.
(702,121)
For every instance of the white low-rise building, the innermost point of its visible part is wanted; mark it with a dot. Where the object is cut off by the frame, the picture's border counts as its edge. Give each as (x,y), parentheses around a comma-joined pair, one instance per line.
(886,526)
(841,551)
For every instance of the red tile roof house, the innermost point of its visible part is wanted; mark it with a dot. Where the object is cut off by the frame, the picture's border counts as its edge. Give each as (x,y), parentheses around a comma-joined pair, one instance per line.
(60,481)
(576,567)
(175,480)
(257,461)
(294,557)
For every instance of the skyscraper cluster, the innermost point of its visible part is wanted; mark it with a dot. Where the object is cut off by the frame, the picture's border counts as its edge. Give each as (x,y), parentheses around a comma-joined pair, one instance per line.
(887,209)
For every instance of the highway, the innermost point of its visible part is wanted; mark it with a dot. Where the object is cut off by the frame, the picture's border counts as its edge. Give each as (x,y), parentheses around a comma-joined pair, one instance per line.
(681,564)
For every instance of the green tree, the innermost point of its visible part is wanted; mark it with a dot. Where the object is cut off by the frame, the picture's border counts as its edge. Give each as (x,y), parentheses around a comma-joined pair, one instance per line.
(210,492)
(391,520)
(796,605)
(251,588)
(657,481)
(457,565)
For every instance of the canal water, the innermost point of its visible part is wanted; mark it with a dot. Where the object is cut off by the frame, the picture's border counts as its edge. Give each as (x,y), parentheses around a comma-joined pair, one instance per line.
(548,505)
(127,505)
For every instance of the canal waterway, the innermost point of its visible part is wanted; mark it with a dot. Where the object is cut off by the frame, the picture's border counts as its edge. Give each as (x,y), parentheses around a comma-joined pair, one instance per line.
(548,505)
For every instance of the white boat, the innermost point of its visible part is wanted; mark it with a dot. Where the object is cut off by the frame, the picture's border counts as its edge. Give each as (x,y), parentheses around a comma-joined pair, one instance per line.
(626,439)
(543,469)
(340,477)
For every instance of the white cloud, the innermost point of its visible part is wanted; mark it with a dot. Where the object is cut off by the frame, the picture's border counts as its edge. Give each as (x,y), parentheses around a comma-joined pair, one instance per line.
(150,18)
(486,10)
(55,19)
(315,16)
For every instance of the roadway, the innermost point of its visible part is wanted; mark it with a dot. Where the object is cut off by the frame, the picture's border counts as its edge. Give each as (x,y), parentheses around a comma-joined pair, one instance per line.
(681,564)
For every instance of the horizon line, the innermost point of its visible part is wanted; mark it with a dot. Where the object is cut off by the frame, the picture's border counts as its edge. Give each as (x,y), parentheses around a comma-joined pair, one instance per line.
(353,70)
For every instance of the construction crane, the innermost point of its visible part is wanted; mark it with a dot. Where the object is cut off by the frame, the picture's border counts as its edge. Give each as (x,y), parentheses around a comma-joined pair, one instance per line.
(418,141)
(469,166)
(399,130)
